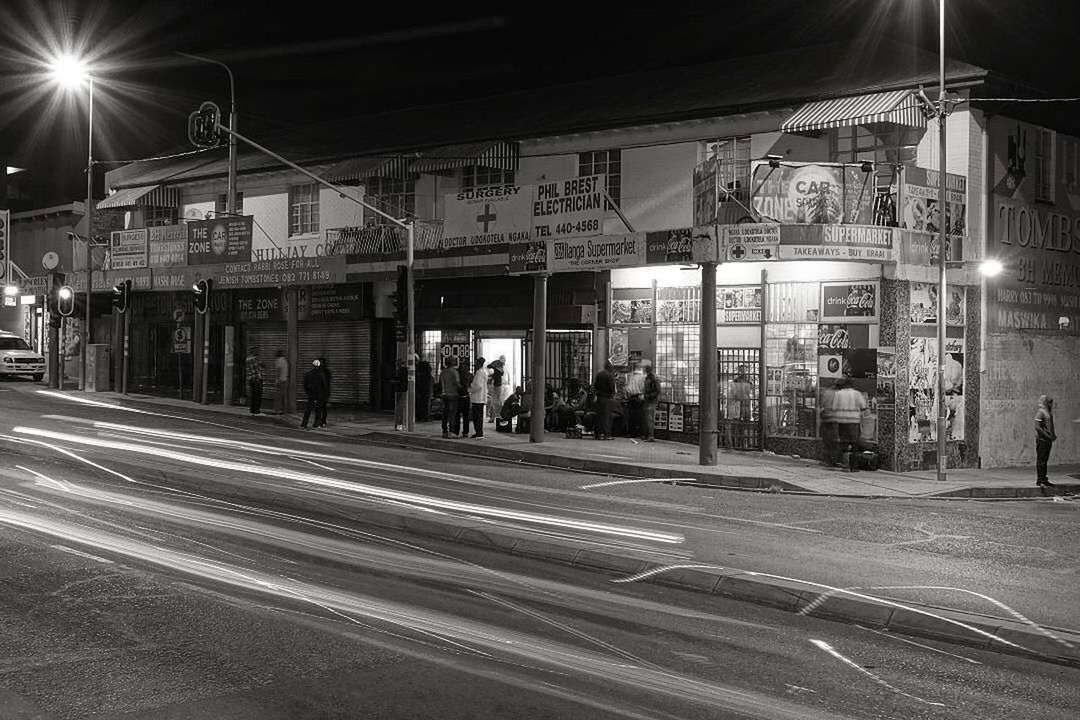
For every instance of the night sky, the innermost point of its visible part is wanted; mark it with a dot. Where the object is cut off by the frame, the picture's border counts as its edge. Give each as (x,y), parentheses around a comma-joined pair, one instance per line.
(313,61)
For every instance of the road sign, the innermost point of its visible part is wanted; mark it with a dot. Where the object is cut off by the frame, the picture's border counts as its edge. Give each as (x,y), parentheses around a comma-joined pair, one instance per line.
(178,315)
(182,340)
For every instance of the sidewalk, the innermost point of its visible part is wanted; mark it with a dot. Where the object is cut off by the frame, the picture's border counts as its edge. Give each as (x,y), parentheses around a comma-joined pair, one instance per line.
(670,461)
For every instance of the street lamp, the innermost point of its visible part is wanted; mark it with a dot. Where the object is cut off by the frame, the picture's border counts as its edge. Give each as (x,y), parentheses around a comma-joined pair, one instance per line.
(942,237)
(230,201)
(991,267)
(71,72)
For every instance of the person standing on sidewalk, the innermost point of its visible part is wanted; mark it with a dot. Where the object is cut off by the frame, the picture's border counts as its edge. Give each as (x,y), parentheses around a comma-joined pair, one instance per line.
(604,386)
(465,378)
(848,406)
(424,381)
(451,383)
(1044,439)
(650,395)
(281,384)
(401,393)
(478,397)
(255,381)
(828,426)
(317,390)
(496,400)
(635,386)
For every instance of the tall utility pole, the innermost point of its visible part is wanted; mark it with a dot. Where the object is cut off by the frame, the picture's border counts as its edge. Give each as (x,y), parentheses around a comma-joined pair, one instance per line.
(89,230)
(707,367)
(942,112)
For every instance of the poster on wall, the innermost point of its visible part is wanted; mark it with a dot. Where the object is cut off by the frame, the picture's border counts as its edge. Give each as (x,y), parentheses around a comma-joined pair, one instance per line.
(222,240)
(849,302)
(167,246)
(661,416)
(919,209)
(886,374)
(632,312)
(923,400)
(738,305)
(127,249)
(924,304)
(677,311)
(691,418)
(618,347)
(675,417)
(828,193)
(751,242)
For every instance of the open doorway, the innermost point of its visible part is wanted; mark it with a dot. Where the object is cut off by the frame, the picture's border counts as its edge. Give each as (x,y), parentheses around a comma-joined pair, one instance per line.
(512,349)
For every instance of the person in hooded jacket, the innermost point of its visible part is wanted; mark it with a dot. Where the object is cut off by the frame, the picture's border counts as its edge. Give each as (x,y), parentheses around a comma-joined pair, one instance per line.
(317,390)
(1044,439)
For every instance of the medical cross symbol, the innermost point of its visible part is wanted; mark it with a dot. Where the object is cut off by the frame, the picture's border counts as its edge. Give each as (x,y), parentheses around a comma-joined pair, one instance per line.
(738,252)
(487,217)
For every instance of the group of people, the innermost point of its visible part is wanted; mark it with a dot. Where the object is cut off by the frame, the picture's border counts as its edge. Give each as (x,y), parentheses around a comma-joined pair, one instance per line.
(316,386)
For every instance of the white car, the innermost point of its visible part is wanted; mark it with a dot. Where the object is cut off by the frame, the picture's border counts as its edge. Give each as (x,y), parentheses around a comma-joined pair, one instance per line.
(16,358)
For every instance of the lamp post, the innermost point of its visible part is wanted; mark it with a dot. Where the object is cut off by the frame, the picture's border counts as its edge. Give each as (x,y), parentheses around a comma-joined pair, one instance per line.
(71,72)
(230,201)
(942,237)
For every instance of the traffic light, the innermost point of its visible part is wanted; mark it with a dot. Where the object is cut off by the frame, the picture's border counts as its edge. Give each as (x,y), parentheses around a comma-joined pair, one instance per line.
(202,296)
(401,294)
(121,295)
(203,126)
(65,301)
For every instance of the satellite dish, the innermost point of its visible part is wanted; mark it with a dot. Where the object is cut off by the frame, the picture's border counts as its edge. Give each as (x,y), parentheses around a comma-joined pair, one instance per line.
(193,214)
(50,260)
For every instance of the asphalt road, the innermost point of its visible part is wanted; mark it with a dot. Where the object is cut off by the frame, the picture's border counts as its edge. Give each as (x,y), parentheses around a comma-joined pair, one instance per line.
(130,589)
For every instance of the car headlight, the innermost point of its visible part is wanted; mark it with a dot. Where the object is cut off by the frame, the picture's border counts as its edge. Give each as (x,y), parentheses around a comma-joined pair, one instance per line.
(9,360)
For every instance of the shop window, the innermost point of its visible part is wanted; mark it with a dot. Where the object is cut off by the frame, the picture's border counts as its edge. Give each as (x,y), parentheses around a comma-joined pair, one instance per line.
(430,344)
(155,216)
(793,302)
(222,203)
(474,176)
(395,196)
(677,360)
(1044,165)
(607,163)
(791,383)
(732,156)
(303,209)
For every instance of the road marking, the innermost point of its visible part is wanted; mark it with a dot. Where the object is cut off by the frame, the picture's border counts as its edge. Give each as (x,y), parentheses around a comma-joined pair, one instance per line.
(822,645)
(912,642)
(80,553)
(609,483)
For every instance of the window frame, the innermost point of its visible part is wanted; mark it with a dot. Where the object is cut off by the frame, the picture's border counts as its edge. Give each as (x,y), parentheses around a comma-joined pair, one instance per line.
(160,215)
(300,226)
(395,196)
(600,162)
(475,176)
(221,204)
(1045,171)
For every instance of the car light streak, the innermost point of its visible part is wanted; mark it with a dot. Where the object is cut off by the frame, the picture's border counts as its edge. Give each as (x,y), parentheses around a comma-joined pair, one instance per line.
(486,638)
(637,481)
(356,488)
(912,642)
(826,647)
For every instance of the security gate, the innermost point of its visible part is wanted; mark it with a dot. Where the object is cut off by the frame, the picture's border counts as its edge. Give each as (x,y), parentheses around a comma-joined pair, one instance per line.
(567,356)
(738,387)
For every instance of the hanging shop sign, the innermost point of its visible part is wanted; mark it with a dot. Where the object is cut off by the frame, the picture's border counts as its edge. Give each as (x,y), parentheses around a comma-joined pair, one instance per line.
(476,219)
(738,305)
(596,253)
(681,246)
(167,246)
(751,242)
(222,240)
(127,249)
(813,193)
(332,302)
(36,285)
(924,304)
(293,271)
(919,211)
(849,302)
(569,208)
(861,243)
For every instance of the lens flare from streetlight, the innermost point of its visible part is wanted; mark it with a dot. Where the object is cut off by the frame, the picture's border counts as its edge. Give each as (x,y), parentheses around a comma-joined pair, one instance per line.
(65,293)
(69,71)
(991,267)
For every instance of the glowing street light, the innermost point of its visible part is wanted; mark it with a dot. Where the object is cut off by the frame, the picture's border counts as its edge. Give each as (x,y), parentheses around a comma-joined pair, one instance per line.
(65,293)
(11,290)
(69,71)
(991,267)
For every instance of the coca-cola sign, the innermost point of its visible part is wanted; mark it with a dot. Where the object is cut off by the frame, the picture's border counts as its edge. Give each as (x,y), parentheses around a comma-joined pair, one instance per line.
(837,339)
(853,302)
(528,257)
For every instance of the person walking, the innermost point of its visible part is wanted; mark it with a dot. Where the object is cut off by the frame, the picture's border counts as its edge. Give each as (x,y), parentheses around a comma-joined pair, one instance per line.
(604,386)
(424,382)
(255,381)
(828,426)
(848,406)
(401,393)
(321,408)
(317,390)
(496,398)
(465,378)
(478,397)
(450,381)
(650,396)
(635,386)
(281,383)
(1044,439)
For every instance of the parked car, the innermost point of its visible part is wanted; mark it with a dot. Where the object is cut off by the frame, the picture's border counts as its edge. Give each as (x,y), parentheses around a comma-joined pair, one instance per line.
(16,358)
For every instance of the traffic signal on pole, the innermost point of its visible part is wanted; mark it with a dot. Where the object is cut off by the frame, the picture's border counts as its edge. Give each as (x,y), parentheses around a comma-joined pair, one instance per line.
(56,280)
(202,296)
(203,126)
(121,295)
(401,295)
(65,301)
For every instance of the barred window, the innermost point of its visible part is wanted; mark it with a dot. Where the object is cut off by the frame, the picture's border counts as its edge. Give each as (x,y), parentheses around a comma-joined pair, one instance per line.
(732,157)
(479,176)
(393,195)
(303,209)
(607,163)
(155,216)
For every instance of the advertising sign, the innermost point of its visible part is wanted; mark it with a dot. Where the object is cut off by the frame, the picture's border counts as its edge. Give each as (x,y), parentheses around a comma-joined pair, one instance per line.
(924,304)
(527,257)
(602,253)
(294,271)
(835,338)
(5,245)
(35,285)
(680,246)
(862,243)
(632,312)
(738,305)
(919,209)
(813,193)
(569,208)
(222,240)
(332,302)
(167,246)
(477,218)
(751,242)
(258,305)
(849,302)
(127,249)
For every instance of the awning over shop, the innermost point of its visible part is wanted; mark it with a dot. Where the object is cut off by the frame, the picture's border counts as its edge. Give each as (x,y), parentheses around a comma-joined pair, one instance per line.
(360,168)
(900,107)
(497,154)
(145,196)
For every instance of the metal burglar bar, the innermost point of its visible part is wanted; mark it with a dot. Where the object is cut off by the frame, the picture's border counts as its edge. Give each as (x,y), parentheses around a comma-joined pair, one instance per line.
(567,355)
(382,239)
(738,370)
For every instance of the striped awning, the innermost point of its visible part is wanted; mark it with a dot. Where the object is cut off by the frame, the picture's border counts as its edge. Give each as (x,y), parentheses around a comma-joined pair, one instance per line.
(359,168)
(496,154)
(145,196)
(898,106)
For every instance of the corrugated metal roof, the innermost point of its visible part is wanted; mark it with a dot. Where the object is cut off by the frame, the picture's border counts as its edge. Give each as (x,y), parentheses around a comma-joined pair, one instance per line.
(365,167)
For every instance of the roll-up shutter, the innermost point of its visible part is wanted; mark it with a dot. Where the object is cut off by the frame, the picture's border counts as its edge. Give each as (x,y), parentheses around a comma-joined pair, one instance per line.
(267,338)
(347,349)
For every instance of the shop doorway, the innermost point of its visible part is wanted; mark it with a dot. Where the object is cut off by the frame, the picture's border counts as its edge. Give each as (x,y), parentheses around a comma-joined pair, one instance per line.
(514,351)
(738,371)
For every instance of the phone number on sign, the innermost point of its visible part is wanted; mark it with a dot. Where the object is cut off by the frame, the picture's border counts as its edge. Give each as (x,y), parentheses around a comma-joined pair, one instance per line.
(591,225)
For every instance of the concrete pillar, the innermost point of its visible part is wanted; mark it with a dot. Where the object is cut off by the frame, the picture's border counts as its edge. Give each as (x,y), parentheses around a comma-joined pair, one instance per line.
(539,344)
(196,357)
(707,379)
(229,366)
(292,343)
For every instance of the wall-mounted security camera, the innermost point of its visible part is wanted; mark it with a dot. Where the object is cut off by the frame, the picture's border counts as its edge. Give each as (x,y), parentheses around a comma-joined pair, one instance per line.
(1063,323)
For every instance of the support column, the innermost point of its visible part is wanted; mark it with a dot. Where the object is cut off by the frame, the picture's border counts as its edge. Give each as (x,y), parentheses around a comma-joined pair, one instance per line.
(539,344)
(600,327)
(229,366)
(707,365)
(55,360)
(197,357)
(125,323)
(292,343)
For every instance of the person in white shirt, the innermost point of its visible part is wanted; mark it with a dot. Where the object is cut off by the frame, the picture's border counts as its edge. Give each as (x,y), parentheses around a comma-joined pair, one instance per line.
(635,386)
(478,397)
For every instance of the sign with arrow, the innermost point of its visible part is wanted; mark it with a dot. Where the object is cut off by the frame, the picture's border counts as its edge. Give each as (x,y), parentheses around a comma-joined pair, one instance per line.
(751,242)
